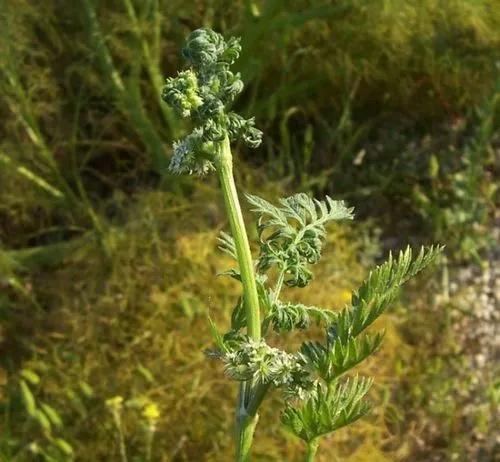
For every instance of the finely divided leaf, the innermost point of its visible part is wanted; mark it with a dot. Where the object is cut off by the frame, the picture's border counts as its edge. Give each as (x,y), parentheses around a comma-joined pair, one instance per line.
(285,317)
(275,217)
(238,316)
(328,409)
(226,244)
(308,213)
(336,358)
(292,234)
(379,290)
(216,336)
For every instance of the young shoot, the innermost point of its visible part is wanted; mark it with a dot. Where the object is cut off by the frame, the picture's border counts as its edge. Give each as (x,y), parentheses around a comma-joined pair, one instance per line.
(318,397)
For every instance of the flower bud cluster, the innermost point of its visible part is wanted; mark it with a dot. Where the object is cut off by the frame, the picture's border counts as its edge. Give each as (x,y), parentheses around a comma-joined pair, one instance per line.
(191,155)
(260,362)
(204,93)
(182,93)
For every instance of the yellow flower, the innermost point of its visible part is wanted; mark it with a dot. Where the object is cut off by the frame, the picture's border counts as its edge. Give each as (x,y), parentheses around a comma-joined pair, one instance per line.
(345,296)
(115,403)
(151,412)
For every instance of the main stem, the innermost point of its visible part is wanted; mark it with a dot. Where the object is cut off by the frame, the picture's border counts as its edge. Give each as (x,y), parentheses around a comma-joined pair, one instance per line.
(312,448)
(245,422)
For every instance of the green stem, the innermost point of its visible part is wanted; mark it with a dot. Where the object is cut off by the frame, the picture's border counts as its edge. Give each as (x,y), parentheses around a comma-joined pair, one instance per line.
(150,433)
(128,102)
(258,394)
(247,418)
(446,280)
(153,69)
(245,427)
(121,437)
(245,423)
(312,448)
(279,285)
(225,169)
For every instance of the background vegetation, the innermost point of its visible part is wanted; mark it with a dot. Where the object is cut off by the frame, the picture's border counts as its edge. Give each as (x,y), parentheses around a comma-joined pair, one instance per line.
(107,261)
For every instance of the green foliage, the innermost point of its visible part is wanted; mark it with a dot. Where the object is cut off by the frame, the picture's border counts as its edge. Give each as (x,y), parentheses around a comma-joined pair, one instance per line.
(28,399)
(292,235)
(45,441)
(458,200)
(226,244)
(84,135)
(344,350)
(336,357)
(126,89)
(287,316)
(328,409)
(379,290)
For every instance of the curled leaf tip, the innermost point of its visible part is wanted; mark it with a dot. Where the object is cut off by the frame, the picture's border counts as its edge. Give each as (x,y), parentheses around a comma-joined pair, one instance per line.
(190,155)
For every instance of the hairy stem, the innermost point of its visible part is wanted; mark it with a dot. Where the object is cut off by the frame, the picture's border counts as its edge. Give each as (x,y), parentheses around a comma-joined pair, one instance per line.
(245,424)
(312,448)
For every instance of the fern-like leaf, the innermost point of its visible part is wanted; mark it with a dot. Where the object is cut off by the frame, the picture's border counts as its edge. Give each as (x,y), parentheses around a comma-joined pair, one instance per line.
(328,409)
(309,214)
(238,316)
(216,336)
(336,358)
(379,290)
(285,317)
(293,233)
(227,245)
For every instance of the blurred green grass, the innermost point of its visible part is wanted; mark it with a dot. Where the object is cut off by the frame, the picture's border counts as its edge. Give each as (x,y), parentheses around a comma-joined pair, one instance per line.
(107,261)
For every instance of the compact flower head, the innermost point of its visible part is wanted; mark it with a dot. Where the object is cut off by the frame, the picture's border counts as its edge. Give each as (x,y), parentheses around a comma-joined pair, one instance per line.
(204,93)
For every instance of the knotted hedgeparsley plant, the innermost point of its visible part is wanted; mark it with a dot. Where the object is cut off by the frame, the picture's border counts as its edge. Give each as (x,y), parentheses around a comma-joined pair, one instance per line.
(318,398)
